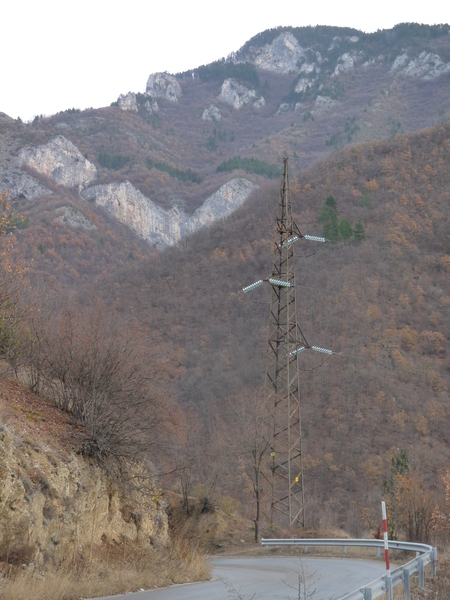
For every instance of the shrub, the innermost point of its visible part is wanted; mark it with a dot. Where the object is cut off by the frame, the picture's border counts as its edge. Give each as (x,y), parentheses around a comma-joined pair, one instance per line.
(99,372)
(219,70)
(113,161)
(250,165)
(187,175)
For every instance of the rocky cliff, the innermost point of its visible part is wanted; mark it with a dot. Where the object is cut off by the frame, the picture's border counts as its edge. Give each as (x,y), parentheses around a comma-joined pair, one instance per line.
(53,502)
(425,66)
(166,228)
(63,162)
(211,114)
(225,201)
(128,102)
(237,95)
(299,51)
(130,206)
(281,56)
(60,160)
(67,215)
(21,185)
(163,85)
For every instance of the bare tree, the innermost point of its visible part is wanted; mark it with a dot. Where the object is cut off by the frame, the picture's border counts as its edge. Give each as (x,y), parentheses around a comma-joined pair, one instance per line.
(250,435)
(12,282)
(102,372)
(39,307)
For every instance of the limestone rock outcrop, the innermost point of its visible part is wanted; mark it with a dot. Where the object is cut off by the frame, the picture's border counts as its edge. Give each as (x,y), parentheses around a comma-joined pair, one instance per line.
(129,206)
(323,104)
(303,84)
(281,56)
(345,63)
(74,218)
(151,106)
(21,185)
(163,85)
(60,160)
(222,203)
(128,102)
(211,114)
(426,66)
(166,228)
(283,108)
(237,95)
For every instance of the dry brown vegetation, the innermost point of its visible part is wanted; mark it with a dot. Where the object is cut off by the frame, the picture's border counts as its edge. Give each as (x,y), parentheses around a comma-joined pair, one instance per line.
(381,305)
(437,587)
(87,569)
(111,570)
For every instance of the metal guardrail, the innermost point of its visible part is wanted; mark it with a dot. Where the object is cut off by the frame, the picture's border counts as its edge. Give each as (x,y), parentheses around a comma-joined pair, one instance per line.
(425,554)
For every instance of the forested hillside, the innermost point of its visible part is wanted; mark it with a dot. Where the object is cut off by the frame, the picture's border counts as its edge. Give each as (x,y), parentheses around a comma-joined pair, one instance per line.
(350,110)
(382,304)
(303,92)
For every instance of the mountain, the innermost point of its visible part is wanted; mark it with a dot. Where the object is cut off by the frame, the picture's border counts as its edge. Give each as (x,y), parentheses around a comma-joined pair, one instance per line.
(381,304)
(128,201)
(153,159)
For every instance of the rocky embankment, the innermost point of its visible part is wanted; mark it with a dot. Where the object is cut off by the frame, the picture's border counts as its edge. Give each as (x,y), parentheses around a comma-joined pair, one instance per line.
(53,502)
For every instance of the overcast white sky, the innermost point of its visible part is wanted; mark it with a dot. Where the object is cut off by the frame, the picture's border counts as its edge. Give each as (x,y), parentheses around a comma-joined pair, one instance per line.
(58,54)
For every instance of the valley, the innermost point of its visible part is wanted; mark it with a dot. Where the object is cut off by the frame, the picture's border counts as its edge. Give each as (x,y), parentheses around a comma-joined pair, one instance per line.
(123,323)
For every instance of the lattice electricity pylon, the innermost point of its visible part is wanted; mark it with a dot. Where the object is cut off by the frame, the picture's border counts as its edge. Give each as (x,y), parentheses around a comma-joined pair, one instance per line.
(286,342)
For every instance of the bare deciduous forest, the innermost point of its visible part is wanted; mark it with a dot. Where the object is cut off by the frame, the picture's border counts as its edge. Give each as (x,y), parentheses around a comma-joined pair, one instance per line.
(158,358)
(381,304)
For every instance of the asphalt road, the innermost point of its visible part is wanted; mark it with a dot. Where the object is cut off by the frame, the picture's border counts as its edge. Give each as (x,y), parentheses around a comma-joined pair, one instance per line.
(271,578)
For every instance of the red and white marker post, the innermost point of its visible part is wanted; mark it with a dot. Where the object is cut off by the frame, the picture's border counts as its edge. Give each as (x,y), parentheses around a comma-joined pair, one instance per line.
(386,553)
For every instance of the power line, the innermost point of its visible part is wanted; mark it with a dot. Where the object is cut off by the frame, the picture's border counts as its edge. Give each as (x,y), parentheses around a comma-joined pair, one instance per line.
(385,363)
(364,244)
(334,293)
(328,292)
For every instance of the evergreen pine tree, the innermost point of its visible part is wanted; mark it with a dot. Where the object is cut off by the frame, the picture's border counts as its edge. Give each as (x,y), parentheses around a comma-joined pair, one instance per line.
(333,234)
(330,202)
(359,233)
(329,220)
(345,230)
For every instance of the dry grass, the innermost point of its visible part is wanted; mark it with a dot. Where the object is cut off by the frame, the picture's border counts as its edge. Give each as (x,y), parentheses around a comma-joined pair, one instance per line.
(114,570)
(437,588)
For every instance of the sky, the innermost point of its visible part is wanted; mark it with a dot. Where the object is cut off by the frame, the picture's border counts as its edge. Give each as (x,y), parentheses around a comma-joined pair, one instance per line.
(58,54)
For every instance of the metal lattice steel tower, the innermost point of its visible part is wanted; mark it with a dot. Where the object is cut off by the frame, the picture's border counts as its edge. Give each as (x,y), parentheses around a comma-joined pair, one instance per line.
(286,341)
(284,467)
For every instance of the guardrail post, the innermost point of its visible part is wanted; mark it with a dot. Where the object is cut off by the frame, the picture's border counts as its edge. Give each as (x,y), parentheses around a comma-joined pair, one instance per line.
(388,587)
(421,573)
(406,583)
(368,594)
(433,561)
(306,549)
(378,551)
(345,549)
